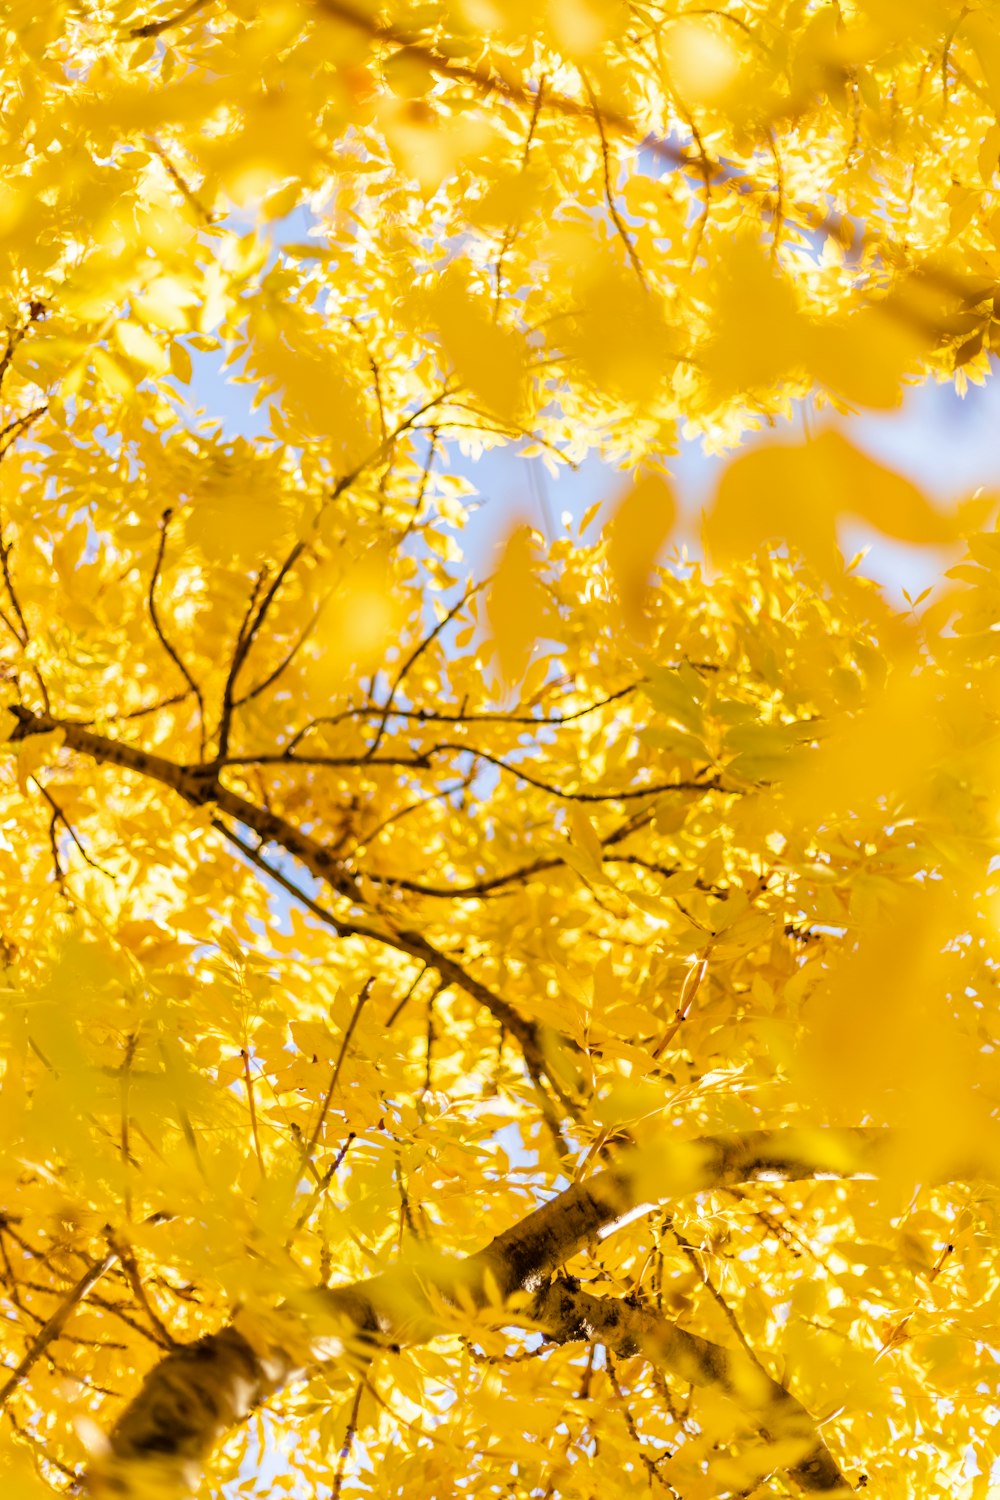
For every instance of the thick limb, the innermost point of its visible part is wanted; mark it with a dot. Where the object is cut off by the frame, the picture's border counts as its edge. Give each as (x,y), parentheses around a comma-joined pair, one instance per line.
(198,1393)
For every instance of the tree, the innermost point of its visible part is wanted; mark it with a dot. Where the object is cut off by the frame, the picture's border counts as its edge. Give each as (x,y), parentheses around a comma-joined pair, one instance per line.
(523,1034)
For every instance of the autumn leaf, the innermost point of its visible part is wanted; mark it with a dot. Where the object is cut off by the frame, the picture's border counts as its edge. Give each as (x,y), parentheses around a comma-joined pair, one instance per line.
(517,604)
(636,533)
(797,492)
(522,1037)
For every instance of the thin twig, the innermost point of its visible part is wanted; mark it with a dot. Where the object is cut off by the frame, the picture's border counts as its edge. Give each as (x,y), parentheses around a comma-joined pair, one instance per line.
(179,183)
(310,1146)
(161,635)
(60,817)
(253,1110)
(324,1182)
(397,1009)
(286,661)
(124,1084)
(510,234)
(5,551)
(418,762)
(625,794)
(152,708)
(414,657)
(425,476)
(130,1267)
(377,379)
(609,194)
(248,634)
(53,1328)
(249,626)
(157,28)
(348,1443)
(428,716)
(20,425)
(695,1258)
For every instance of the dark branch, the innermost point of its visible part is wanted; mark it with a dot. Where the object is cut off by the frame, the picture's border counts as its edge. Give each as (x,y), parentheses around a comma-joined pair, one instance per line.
(625,794)
(567,1314)
(197,1393)
(157,28)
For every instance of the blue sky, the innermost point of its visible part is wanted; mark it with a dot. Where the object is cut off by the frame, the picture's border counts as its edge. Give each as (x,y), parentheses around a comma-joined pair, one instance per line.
(948,444)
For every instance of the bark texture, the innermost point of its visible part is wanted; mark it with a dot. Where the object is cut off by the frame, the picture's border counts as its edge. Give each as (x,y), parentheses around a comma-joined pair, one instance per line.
(188,1403)
(197,1393)
(569,1314)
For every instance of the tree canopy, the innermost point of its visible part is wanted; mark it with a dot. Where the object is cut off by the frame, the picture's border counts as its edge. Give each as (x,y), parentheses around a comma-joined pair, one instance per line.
(525,1029)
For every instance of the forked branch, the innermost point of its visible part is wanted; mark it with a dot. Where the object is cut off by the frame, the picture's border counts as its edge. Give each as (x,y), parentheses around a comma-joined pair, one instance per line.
(198,1392)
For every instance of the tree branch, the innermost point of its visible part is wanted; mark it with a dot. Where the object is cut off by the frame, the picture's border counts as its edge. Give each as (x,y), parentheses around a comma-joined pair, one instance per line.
(54,1327)
(157,28)
(709,784)
(200,786)
(568,1313)
(193,1396)
(731,177)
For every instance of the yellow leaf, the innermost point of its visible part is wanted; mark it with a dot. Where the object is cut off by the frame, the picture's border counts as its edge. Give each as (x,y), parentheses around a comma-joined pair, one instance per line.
(796,492)
(517,605)
(635,535)
(357,624)
(139,344)
(863,357)
(180,362)
(487,359)
(430,146)
(582,27)
(620,336)
(228,523)
(666,1168)
(704,59)
(760,332)
(318,396)
(35,751)
(166,303)
(981,31)
(585,834)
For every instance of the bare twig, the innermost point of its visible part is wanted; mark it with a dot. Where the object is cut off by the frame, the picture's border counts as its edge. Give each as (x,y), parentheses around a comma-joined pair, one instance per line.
(285,662)
(180,184)
(324,1182)
(510,233)
(60,817)
(130,1266)
(414,657)
(249,626)
(428,716)
(625,794)
(5,551)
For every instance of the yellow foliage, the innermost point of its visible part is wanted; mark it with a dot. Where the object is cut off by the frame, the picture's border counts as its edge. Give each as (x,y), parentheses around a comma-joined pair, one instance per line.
(642,521)
(798,492)
(630,920)
(517,605)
